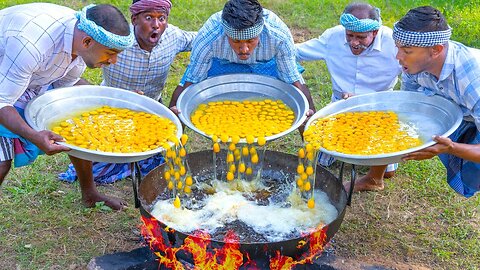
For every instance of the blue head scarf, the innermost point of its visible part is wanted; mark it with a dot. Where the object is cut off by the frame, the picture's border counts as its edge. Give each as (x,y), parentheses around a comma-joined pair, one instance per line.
(101,35)
(354,24)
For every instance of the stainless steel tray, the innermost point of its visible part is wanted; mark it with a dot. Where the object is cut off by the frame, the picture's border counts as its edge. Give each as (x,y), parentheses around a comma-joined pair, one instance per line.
(59,104)
(431,115)
(242,87)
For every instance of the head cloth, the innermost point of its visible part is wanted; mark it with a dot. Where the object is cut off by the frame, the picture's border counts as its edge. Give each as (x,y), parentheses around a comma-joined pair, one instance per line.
(243,34)
(352,23)
(420,39)
(101,35)
(144,5)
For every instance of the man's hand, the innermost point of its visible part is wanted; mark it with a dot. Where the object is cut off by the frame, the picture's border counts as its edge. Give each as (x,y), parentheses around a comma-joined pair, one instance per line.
(45,140)
(347,95)
(140,92)
(175,110)
(310,112)
(444,145)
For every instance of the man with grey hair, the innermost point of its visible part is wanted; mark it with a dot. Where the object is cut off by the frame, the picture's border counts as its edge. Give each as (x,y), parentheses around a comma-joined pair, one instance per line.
(360,57)
(435,65)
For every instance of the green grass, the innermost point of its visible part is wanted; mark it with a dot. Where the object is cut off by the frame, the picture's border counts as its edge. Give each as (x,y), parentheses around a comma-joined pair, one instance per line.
(417,221)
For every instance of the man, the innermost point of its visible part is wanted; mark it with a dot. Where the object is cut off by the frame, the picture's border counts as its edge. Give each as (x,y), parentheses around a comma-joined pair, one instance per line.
(142,68)
(243,38)
(435,65)
(360,57)
(46,45)
(145,65)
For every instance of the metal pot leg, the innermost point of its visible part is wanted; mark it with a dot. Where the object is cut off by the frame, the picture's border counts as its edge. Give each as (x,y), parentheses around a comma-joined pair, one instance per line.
(353,174)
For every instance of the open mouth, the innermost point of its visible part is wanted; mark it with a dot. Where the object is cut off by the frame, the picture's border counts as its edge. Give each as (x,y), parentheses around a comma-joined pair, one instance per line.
(154,37)
(358,47)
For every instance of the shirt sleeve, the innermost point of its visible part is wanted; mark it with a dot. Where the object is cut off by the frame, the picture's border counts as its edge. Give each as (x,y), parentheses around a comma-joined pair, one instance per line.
(20,61)
(72,76)
(314,49)
(202,53)
(186,38)
(287,64)
(409,83)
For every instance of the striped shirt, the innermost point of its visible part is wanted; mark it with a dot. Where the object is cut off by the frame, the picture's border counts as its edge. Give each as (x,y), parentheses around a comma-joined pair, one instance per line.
(137,69)
(36,51)
(275,41)
(459,80)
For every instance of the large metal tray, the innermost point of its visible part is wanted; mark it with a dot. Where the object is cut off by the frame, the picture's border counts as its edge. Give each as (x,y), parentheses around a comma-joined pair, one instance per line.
(59,104)
(242,87)
(431,115)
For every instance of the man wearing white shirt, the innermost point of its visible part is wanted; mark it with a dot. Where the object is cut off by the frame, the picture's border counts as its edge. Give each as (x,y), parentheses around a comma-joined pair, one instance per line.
(360,57)
(44,45)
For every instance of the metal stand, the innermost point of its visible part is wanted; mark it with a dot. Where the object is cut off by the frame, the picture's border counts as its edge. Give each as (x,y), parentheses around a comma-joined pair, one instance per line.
(136,180)
(353,174)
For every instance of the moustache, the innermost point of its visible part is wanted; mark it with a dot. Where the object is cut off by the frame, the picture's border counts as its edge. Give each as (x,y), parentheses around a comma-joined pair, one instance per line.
(360,46)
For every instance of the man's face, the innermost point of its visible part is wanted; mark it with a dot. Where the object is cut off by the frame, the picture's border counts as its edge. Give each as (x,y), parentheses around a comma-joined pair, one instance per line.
(149,27)
(359,41)
(243,48)
(96,55)
(414,59)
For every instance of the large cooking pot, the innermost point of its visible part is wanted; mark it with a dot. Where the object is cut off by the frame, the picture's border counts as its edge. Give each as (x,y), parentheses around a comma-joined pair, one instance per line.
(276,164)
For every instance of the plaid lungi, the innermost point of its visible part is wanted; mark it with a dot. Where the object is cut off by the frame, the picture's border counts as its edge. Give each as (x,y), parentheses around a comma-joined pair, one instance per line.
(463,176)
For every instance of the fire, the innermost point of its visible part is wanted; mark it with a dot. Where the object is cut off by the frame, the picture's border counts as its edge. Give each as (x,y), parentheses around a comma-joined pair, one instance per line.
(317,243)
(205,254)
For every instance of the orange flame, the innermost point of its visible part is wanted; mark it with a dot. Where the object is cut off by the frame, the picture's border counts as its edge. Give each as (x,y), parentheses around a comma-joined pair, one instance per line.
(205,256)
(317,241)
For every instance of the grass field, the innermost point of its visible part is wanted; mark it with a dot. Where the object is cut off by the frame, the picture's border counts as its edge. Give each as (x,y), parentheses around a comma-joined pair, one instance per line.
(418,221)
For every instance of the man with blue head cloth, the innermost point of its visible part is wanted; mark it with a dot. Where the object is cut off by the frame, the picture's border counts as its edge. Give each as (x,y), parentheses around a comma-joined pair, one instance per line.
(44,45)
(435,65)
(360,57)
(243,38)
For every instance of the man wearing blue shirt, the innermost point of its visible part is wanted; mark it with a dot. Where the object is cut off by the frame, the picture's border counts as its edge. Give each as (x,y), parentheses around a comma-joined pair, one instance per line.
(435,65)
(243,38)
(360,57)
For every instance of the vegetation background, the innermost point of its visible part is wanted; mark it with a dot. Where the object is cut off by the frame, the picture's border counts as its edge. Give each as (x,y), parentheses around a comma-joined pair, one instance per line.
(418,222)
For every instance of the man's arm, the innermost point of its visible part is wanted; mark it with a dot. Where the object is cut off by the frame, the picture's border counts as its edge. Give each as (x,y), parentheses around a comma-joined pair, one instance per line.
(313,49)
(175,95)
(308,95)
(45,140)
(445,145)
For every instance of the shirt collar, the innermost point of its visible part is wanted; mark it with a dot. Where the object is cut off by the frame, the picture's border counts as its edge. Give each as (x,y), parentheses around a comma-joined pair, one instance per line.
(377,42)
(448,65)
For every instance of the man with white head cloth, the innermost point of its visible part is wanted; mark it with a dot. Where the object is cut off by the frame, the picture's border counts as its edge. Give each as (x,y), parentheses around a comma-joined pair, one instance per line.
(243,38)
(435,65)
(360,57)
(43,45)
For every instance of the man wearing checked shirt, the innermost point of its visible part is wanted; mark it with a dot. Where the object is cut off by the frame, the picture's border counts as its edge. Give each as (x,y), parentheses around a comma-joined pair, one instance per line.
(243,38)
(142,68)
(435,65)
